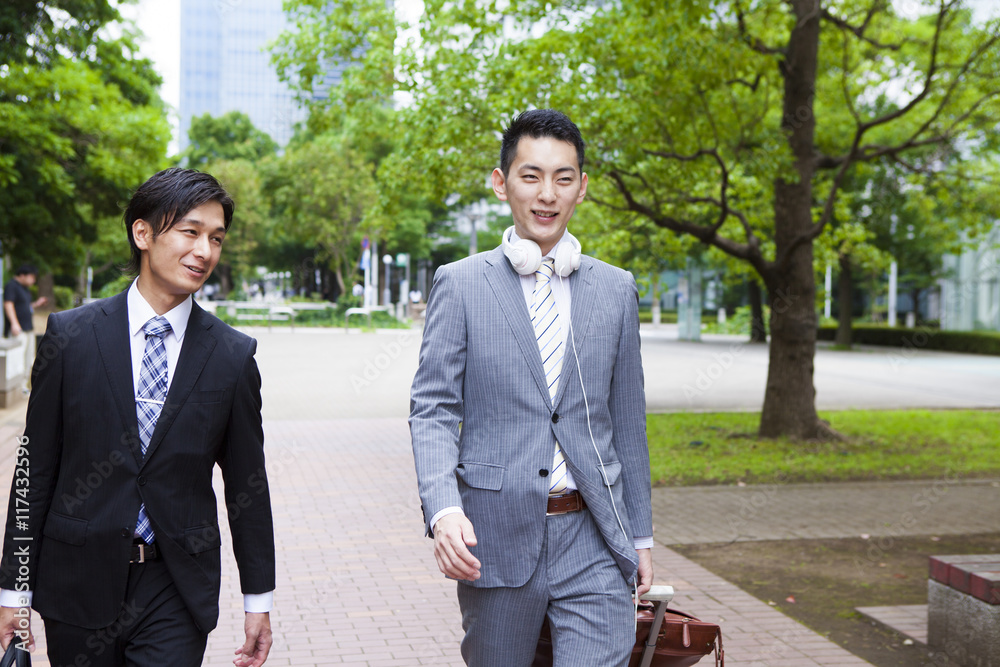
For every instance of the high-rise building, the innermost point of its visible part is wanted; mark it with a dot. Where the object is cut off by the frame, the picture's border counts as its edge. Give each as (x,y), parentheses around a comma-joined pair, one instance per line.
(225,67)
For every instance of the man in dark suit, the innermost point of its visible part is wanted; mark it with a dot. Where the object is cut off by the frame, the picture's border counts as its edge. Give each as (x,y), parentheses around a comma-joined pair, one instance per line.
(112,531)
(528,423)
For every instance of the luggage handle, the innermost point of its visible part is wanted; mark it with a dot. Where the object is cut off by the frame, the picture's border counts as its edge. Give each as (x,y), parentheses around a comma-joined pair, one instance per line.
(661,595)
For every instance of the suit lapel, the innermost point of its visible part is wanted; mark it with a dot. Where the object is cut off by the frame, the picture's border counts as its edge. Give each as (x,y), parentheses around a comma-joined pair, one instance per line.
(114,347)
(197,348)
(506,284)
(581,308)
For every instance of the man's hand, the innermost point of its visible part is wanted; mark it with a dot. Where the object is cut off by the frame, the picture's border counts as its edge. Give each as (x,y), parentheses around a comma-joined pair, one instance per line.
(40,301)
(453,535)
(645,570)
(15,623)
(15,329)
(254,652)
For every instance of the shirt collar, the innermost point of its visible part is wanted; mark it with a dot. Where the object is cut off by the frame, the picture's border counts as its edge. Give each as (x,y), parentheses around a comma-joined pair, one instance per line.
(140,312)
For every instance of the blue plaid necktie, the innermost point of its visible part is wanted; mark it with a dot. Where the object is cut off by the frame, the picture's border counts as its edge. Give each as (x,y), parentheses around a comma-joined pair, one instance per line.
(548,335)
(149,399)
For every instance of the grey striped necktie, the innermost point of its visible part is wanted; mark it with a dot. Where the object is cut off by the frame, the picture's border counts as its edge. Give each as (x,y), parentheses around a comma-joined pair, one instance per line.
(548,335)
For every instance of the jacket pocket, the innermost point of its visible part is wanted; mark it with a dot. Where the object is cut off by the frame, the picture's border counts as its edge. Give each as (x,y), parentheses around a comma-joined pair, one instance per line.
(612,471)
(202,538)
(66,529)
(205,396)
(486,476)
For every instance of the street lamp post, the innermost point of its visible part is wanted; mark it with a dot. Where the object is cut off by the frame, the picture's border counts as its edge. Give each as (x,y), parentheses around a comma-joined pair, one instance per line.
(387,293)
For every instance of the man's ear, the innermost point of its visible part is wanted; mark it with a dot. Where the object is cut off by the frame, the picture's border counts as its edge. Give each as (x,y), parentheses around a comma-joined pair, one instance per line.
(583,188)
(142,233)
(499,184)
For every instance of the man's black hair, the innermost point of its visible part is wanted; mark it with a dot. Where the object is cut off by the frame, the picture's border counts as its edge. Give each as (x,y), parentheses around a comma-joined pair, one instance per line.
(166,198)
(26,270)
(538,124)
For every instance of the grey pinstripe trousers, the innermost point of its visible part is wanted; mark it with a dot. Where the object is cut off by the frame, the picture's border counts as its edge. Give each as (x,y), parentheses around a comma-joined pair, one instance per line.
(581,588)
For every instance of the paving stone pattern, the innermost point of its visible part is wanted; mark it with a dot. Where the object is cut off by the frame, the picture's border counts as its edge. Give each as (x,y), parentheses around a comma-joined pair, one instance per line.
(357,582)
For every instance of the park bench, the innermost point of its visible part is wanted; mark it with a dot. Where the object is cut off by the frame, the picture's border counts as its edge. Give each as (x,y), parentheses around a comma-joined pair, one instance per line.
(963,608)
(364,310)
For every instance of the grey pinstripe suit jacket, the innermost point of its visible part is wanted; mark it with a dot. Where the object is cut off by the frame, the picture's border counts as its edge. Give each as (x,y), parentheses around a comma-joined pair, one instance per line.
(483,426)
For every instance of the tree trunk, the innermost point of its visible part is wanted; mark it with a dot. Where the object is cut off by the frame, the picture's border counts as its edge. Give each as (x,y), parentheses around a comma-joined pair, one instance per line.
(758,329)
(225,273)
(845,310)
(339,275)
(46,287)
(790,398)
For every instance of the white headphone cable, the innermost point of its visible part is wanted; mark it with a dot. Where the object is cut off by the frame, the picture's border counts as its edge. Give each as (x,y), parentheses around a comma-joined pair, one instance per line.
(593,441)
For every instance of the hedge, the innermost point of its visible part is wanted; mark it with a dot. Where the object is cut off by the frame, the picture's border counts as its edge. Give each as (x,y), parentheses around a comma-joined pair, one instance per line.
(970,342)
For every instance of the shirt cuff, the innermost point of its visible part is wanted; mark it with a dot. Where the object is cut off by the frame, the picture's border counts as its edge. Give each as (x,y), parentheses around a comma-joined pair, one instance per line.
(9,598)
(258,603)
(644,542)
(445,512)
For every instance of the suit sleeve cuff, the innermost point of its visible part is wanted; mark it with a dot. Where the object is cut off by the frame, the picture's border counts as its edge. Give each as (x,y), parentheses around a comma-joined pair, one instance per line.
(445,512)
(9,598)
(258,603)
(644,542)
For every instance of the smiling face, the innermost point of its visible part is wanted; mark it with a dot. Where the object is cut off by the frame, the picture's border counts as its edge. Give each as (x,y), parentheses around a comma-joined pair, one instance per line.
(177,263)
(543,186)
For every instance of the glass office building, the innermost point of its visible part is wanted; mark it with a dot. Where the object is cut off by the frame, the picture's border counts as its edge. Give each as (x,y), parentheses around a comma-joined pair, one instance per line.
(224,66)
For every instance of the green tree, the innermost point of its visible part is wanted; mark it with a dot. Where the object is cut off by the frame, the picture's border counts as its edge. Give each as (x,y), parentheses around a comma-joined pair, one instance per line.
(735,123)
(231,136)
(321,190)
(81,123)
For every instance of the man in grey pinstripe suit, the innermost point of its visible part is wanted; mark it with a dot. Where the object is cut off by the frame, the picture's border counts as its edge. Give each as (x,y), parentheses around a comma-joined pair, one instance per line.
(528,424)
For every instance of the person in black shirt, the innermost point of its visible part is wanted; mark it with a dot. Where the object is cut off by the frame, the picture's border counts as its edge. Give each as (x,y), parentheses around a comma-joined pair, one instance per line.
(17,304)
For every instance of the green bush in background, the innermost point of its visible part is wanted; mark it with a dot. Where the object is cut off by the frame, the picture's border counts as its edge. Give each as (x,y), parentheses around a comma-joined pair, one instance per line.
(921,338)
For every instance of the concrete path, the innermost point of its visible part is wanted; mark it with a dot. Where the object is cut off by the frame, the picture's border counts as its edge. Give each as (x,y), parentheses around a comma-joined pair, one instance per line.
(357,581)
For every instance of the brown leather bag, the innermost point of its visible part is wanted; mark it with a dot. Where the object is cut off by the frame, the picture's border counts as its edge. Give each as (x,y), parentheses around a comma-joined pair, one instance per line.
(682,640)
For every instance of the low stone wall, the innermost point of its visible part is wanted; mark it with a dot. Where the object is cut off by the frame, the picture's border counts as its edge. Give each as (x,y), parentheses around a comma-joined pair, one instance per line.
(13,370)
(963,609)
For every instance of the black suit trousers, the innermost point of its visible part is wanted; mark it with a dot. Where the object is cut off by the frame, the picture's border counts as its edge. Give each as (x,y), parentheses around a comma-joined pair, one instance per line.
(153,629)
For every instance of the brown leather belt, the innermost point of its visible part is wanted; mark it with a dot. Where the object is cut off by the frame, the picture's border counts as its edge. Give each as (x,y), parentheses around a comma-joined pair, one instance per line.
(142,552)
(566,502)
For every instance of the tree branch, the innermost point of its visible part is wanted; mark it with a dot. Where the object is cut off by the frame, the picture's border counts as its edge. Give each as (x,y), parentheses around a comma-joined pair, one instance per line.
(862,128)
(859,31)
(753,42)
(708,235)
(752,86)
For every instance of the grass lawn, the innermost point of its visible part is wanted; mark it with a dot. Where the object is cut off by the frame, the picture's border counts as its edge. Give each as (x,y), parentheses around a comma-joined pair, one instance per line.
(723,448)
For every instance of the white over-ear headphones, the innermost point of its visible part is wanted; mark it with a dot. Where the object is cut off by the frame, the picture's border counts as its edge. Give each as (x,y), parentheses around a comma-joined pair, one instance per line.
(525,255)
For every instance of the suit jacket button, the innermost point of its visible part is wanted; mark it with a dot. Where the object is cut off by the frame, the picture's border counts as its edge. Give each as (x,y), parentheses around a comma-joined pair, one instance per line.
(543,473)
(555,417)
(126,532)
(142,481)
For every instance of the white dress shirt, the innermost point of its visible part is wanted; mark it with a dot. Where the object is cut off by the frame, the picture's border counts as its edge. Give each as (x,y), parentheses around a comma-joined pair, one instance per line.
(140,312)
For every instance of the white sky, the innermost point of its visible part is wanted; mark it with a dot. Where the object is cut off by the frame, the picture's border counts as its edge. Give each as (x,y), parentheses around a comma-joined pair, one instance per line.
(160,21)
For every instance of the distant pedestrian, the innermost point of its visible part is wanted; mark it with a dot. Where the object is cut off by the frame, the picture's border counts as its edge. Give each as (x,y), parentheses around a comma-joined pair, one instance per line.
(19,312)
(17,304)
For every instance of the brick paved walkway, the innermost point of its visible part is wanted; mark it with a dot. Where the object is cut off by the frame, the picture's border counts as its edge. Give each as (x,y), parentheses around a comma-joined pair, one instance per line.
(950,505)
(358,584)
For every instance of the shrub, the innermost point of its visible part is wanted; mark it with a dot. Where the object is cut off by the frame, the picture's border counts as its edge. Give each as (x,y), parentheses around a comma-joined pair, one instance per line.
(65,297)
(116,286)
(925,338)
